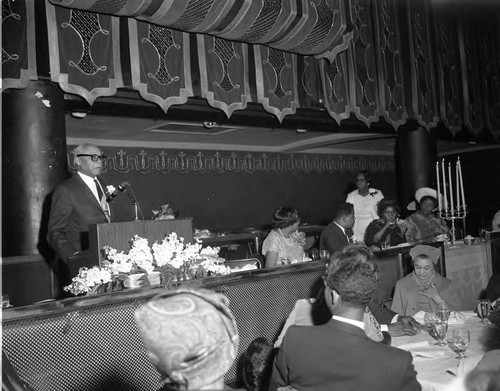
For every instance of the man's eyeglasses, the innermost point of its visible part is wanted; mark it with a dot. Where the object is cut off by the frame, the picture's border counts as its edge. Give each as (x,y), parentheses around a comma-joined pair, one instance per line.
(93,157)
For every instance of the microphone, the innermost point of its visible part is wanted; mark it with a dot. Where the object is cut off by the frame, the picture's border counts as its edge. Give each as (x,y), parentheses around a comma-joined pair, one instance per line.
(121,187)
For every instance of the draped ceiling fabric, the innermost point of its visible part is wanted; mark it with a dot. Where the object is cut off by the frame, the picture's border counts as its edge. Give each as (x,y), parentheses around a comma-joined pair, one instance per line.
(19,54)
(373,59)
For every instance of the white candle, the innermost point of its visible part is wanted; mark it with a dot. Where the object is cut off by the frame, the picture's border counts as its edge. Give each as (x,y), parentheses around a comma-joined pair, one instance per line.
(461,183)
(457,178)
(452,209)
(438,187)
(444,188)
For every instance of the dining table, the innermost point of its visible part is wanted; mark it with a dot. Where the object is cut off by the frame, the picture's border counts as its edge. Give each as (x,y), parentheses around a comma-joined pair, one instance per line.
(437,366)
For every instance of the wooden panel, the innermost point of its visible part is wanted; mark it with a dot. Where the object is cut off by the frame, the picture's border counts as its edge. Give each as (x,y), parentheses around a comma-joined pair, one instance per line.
(118,235)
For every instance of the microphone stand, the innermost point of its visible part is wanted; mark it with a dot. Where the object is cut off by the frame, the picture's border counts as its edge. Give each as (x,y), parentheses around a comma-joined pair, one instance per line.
(134,202)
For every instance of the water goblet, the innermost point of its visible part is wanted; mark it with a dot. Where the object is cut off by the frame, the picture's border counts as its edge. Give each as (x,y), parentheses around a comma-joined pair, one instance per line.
(483,310)
(314,254)
(460,341)
(443,312)
(440,328)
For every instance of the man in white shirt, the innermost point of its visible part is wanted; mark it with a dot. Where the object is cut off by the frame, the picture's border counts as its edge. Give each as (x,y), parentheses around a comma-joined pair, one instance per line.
(338,355)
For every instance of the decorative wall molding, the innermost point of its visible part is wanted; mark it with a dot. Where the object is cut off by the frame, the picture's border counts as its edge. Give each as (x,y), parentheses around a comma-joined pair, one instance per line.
(148,161)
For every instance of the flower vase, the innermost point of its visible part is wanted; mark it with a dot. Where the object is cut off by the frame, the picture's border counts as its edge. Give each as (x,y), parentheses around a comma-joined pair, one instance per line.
(134,280)
(154,278)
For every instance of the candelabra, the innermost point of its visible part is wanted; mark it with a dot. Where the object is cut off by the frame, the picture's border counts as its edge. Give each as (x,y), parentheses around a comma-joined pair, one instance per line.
(452,215)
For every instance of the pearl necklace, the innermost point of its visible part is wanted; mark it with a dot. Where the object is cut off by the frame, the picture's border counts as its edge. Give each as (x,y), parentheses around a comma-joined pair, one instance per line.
(425,286)
(285,239)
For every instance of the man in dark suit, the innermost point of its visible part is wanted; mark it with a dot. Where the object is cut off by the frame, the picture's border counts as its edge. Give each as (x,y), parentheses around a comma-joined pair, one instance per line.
(77,203)
(338,234)
(338,355)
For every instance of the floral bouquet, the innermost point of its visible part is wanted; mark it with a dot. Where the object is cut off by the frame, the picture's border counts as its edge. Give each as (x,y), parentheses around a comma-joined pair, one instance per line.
(172,258)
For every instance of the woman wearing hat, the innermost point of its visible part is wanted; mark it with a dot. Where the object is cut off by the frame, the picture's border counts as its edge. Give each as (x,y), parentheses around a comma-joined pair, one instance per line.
(385,229)
(424,225)
(424,289)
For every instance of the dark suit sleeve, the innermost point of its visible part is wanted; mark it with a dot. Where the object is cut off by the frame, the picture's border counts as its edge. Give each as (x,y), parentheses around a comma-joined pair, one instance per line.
(279,375)
(370,233)
(332,242)
(381,314)
(60,215)
(409,380)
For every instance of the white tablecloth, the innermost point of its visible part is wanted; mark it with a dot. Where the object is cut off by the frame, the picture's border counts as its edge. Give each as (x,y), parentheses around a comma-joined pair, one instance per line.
(432,371)
(469,267)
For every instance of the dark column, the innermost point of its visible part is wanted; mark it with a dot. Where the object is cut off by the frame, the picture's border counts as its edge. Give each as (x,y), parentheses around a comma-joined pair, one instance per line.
(34,161)
(415,161)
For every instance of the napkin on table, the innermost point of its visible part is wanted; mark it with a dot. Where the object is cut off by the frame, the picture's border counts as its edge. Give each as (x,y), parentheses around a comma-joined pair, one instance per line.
(423,349)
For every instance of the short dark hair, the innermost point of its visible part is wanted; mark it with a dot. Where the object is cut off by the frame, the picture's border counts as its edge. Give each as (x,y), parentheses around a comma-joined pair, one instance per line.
(343,209)
(285,216)
(366,174)
(359,251)
(353,278)
(385,203)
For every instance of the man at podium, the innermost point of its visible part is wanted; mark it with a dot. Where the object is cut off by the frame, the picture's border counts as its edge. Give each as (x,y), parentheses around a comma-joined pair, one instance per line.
(77,203)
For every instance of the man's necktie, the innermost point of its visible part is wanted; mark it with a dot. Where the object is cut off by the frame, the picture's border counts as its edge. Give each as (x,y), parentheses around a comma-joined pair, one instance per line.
(349,233)
(102,200)
(100,194)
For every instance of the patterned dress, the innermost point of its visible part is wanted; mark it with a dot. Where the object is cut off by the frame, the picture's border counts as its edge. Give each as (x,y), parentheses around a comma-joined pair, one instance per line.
(289,249)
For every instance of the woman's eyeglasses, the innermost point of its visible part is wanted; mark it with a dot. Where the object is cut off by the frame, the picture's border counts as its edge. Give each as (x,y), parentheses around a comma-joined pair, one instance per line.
(93,157)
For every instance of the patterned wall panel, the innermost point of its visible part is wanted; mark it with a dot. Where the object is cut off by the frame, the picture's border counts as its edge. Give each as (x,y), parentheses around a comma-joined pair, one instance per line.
(146,161)
(84,52)
(18,43)
(363,83)
(449,69)
(224,73)
(390,62)
(161,66)
(424,103)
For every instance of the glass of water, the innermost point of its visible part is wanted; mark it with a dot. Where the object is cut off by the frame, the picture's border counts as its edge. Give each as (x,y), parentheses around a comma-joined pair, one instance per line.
(460,341)
(483,310)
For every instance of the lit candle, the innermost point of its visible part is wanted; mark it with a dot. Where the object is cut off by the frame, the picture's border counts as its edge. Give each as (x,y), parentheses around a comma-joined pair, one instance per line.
(452,210)
(461,183)
(444,188)
(457,178)
(438,187)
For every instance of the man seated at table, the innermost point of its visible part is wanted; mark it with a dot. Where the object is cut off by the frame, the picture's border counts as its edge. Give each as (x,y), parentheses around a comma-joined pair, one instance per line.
(338,355)
(377,318)
(338,233)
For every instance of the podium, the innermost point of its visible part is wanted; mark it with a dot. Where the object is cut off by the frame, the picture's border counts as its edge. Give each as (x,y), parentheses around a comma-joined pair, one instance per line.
(118,235)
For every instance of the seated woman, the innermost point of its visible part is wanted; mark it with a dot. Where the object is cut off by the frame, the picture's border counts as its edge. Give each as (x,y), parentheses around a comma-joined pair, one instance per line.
(423,225)
(284,244)
(384,229)
(424,289)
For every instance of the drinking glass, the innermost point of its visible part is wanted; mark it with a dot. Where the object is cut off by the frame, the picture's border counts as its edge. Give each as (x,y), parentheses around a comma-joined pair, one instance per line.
(324,254)
(314,254)
(483,310)
(443,312)
(440,328)
(460,341)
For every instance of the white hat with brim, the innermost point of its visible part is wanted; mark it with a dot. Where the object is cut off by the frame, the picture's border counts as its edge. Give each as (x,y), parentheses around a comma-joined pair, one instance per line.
(421,193)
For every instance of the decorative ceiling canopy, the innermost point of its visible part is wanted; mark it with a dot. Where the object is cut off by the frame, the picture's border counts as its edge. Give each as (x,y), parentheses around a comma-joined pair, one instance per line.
(309,27)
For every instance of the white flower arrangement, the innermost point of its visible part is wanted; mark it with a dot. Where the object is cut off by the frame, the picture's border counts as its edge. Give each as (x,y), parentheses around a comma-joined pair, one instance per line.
(175,260)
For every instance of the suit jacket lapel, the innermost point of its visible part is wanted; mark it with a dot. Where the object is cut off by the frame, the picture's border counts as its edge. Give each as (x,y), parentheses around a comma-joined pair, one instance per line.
(89,193)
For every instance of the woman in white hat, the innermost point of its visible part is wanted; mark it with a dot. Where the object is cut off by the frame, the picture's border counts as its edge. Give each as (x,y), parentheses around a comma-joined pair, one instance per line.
(423,225)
